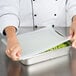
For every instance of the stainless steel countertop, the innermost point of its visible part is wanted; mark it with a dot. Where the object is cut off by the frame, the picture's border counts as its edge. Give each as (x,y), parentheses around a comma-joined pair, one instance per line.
(62,66)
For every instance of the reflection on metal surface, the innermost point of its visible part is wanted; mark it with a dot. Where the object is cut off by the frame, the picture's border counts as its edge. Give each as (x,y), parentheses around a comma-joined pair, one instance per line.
(73,61)
(55,67)
(14,69)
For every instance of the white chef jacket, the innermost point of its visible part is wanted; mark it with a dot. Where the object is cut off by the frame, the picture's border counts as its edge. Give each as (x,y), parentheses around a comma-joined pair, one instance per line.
(31,13)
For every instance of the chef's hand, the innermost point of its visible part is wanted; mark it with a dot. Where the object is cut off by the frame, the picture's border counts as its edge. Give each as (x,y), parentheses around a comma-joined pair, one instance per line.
(13,49)
(73,32)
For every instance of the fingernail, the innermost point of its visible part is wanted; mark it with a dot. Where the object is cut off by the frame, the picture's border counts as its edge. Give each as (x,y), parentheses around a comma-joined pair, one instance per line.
(70,36)
(18,54)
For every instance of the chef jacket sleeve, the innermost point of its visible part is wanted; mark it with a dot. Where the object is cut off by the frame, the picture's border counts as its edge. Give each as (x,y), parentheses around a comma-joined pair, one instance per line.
(71,10)
(9,14)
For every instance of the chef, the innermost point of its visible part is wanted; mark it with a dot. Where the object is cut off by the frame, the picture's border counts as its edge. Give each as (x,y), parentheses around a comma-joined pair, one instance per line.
(34,14)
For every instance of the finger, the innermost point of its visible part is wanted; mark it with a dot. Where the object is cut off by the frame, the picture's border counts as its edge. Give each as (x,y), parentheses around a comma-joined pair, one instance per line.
(11,49)
(15,53)
(18,54)
(71,31)
(8,53)
(74,36)
(14,57)
(74,44)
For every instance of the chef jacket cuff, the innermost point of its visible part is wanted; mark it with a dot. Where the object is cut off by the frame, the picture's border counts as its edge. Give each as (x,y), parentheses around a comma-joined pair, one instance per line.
(9,20)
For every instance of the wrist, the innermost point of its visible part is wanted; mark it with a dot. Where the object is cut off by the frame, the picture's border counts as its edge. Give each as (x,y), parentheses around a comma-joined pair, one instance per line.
(10,31)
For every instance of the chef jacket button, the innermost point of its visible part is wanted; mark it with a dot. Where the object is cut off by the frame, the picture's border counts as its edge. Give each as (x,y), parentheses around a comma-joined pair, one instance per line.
(33,0)
(54,14)
(35,26)
(53,25)
(56,0)
(35,15)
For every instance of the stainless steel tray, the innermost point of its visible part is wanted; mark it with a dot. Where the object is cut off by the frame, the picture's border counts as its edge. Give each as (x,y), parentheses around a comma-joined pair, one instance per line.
(46,56)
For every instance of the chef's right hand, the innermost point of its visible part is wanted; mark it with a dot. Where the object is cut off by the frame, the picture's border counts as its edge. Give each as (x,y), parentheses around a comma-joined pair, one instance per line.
(13,49)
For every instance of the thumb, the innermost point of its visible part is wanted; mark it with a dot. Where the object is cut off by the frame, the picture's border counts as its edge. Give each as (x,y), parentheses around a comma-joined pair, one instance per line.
(18,54)
(71,32)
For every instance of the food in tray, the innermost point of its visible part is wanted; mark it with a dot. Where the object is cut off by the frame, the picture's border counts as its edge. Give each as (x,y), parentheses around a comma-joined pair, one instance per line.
(63,45)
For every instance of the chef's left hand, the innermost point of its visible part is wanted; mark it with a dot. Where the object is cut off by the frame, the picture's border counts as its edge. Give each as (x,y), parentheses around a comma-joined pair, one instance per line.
(73,32)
